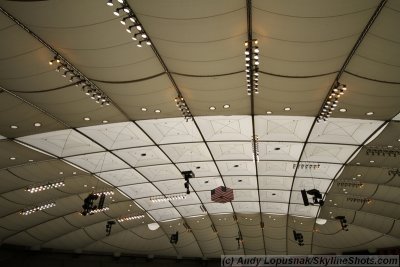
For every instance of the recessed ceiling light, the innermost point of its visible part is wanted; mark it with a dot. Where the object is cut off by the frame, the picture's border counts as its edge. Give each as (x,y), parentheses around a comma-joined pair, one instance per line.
(371,161)
(269,112)
(398,139)
(31,160)
(12,158)
(74,173)
(85,185)
(226,106)
(369,113)
(342,110)
(144,109)
(105,121)
(86,119)
(37,124)
(212,108)
(61,173)
(358,163)
(14,127)
(390,146)
(358,175)
(157,111)
(287,108)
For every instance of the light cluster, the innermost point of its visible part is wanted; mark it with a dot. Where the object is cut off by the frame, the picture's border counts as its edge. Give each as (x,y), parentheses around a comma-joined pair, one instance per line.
(42,187)
(350,184)
(252,63)
(182,106)
(130,218)
(167,198)
(306,166)
(74,76)
(332,101)
(359,199)
(130,21)
(106,193)
(383,151)
(255,147)
(100,210)
(38,208)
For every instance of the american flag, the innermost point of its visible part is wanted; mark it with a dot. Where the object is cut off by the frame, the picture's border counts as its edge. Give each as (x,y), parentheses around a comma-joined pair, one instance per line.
(222,194)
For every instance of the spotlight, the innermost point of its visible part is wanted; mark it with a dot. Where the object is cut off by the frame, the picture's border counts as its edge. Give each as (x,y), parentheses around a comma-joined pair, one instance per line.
(116,12)
(343,222)
(110,3)
(108,227)
(174,238)
(299,238)
(317,197)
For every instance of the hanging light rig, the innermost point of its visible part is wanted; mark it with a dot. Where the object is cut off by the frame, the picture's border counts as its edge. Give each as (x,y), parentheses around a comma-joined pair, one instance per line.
(331,102)
(130,21)
(74,76)
(182,106)
(252,63)
(256,150)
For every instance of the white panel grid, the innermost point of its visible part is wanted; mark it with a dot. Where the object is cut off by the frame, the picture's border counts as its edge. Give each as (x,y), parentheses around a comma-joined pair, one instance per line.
(147,204)
(225,128)
(189,200)
(325,170)
(165,214)
(327,153)
(143,156)
(231,150)
(275,182)
(62,143)
(282,128)
(274,208)
(280,151)
(98,162)
(245,195)
(117,135)
(241,182)
(309,183)
(191,210)
(171,186)
(140,190)
(236,167)
(343,131)
(187,152)
(301,210)
(174,130)
(275,168)
(215,208)
(246,207)
(275,196)
(160,172)
(209,183)
(200,169)
(122,177)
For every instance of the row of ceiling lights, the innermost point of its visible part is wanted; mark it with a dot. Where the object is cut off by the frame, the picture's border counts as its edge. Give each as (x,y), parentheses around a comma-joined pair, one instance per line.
(130,18)
(332,101)
(73,75)
(252,63)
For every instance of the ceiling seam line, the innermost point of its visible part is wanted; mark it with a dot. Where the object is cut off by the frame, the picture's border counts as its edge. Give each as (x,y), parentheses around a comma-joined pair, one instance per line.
(353,51)
(249,17)
(45,112)
(355,152)
(106,150)
(201,202)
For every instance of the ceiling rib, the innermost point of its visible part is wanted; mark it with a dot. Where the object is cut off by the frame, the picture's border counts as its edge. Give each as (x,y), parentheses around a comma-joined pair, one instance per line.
(353,51)
(357,44)
(63,59)
(254,139)
(194,121)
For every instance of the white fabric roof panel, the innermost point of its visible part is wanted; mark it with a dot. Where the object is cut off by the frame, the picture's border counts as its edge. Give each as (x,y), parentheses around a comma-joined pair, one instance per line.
(122,177)
(187,152)
(223,128)
(117,135)
(62,143)
(143,156)
(98,162)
